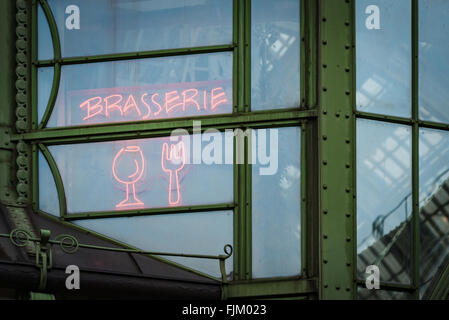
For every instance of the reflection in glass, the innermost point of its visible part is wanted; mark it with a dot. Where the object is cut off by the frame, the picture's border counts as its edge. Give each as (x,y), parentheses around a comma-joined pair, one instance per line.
(384,202)
(89,27)
(275,58)
(45,44)
(383,59)
(44,84)
(99,176)
(433,60)
(197,233)
(276,204)
(48,195)
(144,89)
(434,203)
(365,294)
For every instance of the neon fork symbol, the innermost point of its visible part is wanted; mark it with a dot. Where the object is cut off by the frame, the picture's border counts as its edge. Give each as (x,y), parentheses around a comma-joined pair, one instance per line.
(129,157)
(172,161)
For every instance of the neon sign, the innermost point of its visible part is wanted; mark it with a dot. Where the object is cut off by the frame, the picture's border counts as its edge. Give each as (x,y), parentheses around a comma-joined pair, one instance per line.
(173,160)
(120,164)
(145,105)
(128,167)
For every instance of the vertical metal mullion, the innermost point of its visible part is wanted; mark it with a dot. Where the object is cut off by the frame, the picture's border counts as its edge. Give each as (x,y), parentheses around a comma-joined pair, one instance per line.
(303,218)
(248,207)
(235,63)
(241,55)
(415,148)
(239,169)
(247,56)
(236,233)
(353,70)
(248,141)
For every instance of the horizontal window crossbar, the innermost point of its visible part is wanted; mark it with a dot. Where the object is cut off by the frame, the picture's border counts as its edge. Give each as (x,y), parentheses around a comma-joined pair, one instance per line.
(390,286)
(135,55)
(159,128)
(149,211)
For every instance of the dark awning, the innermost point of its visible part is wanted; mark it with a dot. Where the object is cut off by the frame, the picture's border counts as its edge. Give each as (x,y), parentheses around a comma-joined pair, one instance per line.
(103,274)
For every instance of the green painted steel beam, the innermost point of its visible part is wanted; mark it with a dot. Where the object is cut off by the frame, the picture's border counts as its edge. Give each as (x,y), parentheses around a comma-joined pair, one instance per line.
(135,55)
(415,150)
(383,117)
(149,128)
(390,286)
(149,211)
(7,94)
(336,150)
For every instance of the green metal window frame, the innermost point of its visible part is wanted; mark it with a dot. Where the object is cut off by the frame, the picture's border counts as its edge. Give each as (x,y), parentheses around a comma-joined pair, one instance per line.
(38,138)
(415,124)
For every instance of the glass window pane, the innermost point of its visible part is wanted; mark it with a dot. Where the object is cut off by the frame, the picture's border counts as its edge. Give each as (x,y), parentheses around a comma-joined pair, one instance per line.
(44,84)
(146,173)
(48,195)
(433,64)
(383,60)
(45,44)
(276,203)
(384,204)
(89,27)
(434,203)
(144,89)
(194,232)
(275,54)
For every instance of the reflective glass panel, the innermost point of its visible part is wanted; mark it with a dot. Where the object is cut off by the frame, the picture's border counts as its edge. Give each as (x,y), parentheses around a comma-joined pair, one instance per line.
(383,44)
(434,203)
(276,202)
(433,60)
(384,202)
(365,294)
(45,44)
(89,27)
(144,89)
(275,54)
(44,83)
(146,173)
(48,195)
(194,233)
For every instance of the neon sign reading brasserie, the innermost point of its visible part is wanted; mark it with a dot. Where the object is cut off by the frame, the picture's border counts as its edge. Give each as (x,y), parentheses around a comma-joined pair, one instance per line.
(129,163)
(140,103)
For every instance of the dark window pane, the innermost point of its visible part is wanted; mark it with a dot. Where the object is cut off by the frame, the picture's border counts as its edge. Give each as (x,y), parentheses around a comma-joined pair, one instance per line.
(146,173)
(433,60)
(275,58)
(143,89)
(276,205)
(194,232)
(434,203)
(383,60)
(384,204)
(111,26)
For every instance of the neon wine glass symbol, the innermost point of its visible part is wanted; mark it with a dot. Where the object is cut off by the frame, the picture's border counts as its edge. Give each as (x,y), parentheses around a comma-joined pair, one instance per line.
(128,167)
(173,161)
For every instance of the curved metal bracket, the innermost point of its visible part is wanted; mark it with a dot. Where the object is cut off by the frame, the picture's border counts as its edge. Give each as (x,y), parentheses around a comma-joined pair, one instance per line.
(69,244)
